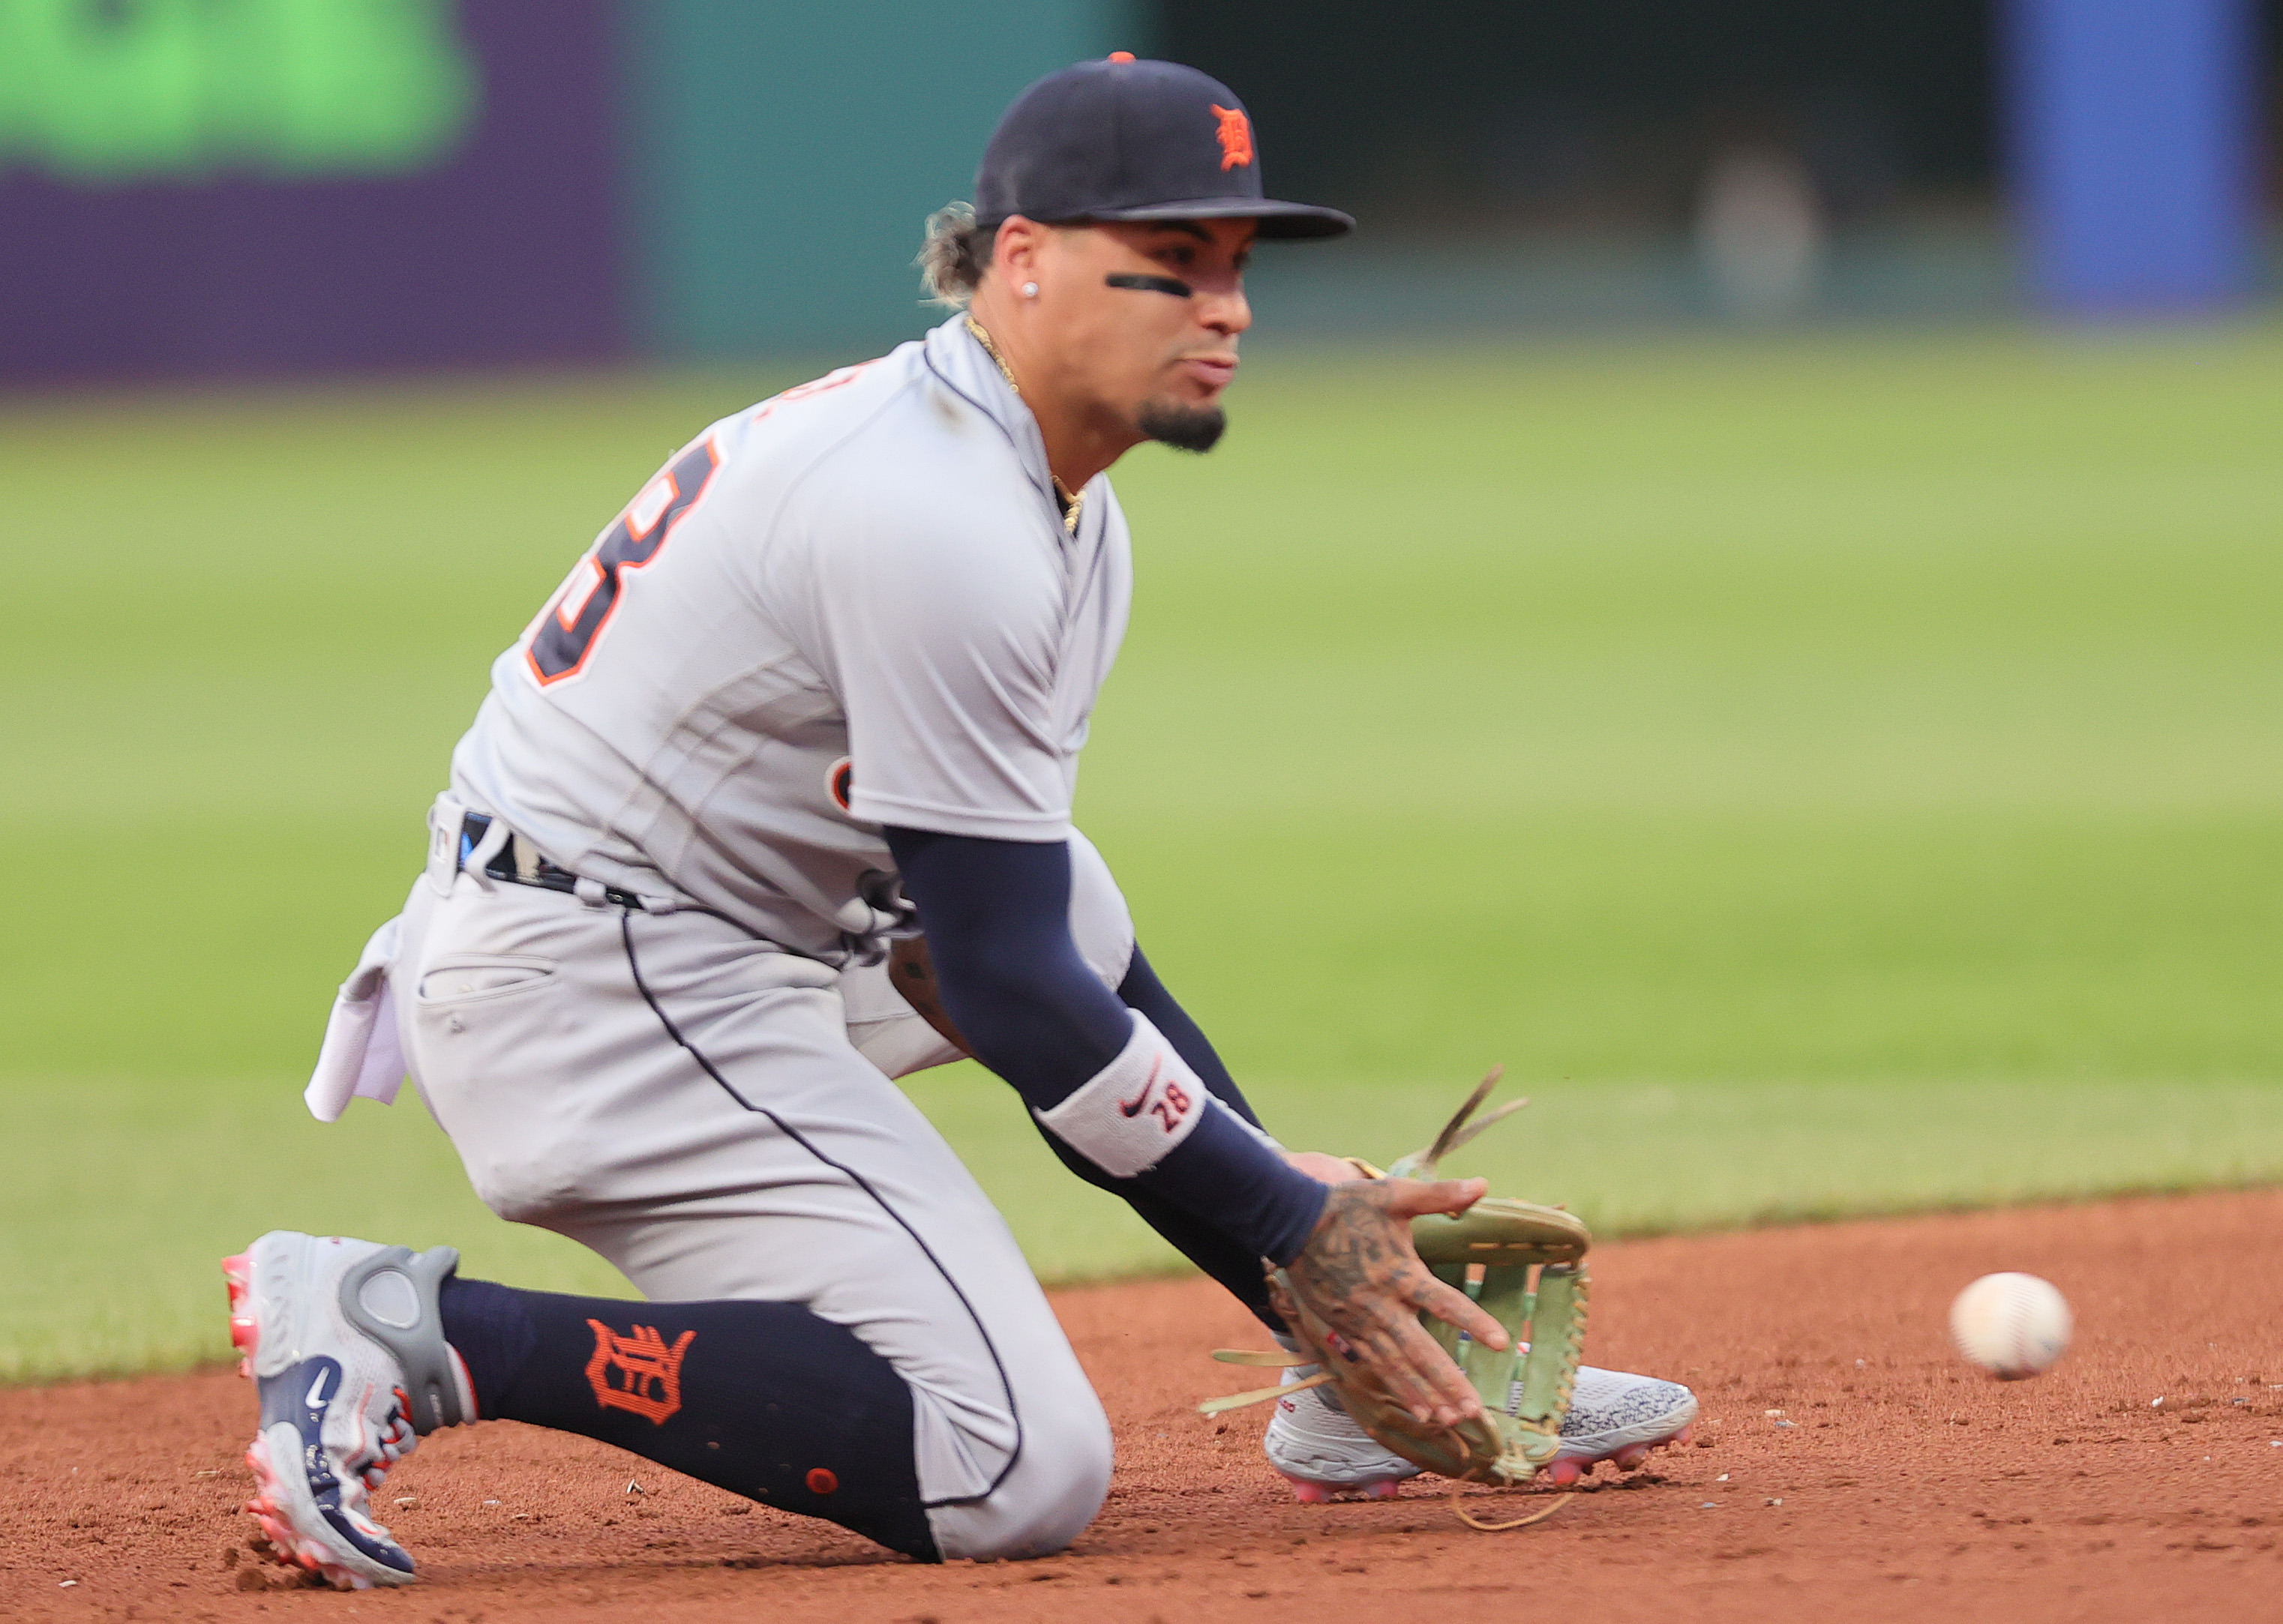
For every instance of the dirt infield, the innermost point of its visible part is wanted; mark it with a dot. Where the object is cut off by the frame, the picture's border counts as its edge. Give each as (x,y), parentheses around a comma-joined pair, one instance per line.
(1850,1469)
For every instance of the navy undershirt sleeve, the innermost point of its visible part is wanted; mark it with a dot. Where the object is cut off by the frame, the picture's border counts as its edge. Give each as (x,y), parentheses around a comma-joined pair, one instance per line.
(997,918)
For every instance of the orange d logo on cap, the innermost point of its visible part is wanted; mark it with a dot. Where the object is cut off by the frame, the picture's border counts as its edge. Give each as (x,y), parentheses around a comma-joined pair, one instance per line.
(1236,134)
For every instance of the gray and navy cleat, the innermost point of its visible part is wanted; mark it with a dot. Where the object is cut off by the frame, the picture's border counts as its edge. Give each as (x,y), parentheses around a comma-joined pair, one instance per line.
(343,1341)
(1317,1447)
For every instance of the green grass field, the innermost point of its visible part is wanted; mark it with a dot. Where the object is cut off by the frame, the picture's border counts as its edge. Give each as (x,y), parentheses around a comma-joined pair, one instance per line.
(1834,774)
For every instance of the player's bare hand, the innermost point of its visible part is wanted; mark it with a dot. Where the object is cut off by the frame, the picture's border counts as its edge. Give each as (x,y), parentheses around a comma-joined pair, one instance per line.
(1361,1276)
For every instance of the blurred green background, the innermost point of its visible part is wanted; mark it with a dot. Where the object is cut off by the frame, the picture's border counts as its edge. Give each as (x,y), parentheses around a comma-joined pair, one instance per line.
(1835,774)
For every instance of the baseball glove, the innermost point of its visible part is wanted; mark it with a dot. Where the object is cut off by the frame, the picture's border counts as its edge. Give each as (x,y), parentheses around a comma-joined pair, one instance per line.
(1524,1389)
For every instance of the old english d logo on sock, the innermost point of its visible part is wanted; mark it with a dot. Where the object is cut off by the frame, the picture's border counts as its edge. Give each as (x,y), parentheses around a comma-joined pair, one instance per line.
(1235,134)
(638,1372)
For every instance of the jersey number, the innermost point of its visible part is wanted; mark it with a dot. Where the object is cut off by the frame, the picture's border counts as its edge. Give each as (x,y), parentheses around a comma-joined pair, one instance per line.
(568,629)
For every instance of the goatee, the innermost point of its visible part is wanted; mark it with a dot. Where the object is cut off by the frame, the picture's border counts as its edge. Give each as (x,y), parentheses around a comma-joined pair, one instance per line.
(1184,428)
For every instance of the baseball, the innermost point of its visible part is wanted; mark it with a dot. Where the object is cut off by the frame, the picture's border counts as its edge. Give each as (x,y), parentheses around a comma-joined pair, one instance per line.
(2013,1326)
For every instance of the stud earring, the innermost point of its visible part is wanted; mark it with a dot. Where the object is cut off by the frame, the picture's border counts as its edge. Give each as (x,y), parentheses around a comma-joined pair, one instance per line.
(1030,289)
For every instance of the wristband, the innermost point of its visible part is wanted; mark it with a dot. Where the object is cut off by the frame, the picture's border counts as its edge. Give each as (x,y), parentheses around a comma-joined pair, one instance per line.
(1129,1116)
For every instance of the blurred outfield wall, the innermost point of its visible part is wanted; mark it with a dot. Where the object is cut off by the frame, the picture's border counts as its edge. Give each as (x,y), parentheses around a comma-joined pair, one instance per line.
(788,154)
(195,188)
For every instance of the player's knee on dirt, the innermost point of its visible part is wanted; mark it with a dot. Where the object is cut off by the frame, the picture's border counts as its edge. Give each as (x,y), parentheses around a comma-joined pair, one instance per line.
(1055,1488)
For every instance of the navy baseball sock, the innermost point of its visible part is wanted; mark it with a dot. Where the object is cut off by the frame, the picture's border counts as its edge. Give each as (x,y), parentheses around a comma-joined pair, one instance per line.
(763,1399)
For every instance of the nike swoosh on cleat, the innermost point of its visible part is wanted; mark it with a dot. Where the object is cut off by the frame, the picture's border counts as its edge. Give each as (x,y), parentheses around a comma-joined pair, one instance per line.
(317,1400)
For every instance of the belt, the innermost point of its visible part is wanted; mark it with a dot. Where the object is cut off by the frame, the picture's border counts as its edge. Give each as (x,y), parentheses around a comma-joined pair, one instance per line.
(519,863)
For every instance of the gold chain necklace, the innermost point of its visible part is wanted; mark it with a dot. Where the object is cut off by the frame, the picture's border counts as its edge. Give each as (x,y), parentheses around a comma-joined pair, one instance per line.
(1072,500)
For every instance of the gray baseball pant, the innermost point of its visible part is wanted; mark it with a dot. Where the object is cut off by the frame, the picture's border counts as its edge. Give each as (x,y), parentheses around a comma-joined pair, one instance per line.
(684,1099)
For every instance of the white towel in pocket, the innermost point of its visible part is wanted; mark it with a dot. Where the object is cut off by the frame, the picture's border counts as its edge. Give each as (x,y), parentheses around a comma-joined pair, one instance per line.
(362,1058)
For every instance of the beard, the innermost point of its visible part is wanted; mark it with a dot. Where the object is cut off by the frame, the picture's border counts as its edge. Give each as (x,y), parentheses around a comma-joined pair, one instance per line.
(1184,428)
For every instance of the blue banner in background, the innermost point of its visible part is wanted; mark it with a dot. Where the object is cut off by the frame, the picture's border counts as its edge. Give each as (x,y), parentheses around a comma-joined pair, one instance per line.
(2134,128)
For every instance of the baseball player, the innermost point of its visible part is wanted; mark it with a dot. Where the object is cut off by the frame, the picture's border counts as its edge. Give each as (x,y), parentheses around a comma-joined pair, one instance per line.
(772,800)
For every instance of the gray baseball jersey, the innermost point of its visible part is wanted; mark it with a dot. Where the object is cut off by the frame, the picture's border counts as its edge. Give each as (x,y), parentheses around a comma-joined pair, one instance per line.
(853,604)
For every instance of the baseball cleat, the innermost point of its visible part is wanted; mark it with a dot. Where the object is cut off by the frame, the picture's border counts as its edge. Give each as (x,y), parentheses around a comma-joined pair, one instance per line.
(343,1343)
(1318,1449)
(1616,1417)
(1316,1446)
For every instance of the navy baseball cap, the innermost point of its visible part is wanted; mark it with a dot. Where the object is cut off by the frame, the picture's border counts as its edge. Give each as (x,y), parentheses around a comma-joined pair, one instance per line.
(1121,139)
